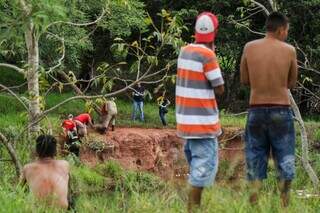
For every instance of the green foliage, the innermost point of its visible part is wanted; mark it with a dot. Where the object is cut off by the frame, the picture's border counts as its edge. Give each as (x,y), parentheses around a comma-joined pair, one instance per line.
(85,177)
(10,78)
(125,17)
(317,135)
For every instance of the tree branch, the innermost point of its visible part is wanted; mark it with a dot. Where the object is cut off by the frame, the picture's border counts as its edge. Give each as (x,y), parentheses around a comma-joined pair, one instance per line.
(11,66)
(15,95)
(78,24)
(265,10)
(304,143)
(62,55)
(12,154)
(248,28)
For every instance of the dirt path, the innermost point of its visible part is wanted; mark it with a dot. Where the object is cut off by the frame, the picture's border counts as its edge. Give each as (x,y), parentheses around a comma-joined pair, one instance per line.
(155,150)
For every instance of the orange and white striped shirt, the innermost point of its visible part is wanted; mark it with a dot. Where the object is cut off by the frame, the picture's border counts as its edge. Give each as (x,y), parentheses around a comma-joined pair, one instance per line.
(197,112)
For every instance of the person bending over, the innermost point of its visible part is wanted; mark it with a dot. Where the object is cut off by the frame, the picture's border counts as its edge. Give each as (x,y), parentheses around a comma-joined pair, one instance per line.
(47,178)
(82,122)
(72,141)
(109,112)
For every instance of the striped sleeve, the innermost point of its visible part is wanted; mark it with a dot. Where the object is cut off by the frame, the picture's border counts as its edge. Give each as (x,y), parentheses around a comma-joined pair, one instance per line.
(212,71)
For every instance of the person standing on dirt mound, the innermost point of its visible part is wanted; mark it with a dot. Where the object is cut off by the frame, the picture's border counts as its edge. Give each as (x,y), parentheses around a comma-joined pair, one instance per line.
(199,79)
(269,67)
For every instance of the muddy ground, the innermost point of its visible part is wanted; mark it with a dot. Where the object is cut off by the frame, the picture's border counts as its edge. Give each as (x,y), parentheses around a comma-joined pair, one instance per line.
(159,151)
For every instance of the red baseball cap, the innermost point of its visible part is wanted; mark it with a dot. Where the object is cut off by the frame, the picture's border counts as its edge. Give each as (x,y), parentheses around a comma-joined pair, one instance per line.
(206,27)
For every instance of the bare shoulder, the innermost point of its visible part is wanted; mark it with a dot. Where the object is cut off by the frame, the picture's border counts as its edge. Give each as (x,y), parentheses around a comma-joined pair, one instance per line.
(290,48)
(63,163)
(30,166)
(252,44)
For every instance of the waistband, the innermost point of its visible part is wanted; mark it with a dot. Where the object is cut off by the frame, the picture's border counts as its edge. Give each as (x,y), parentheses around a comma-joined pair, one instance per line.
(269,106)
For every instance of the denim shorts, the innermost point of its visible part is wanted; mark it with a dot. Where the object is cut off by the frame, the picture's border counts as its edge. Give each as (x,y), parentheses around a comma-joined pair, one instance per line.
(202,157)
(270,129)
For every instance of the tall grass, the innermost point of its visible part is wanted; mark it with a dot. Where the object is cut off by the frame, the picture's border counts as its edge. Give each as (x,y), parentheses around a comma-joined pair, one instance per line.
(110,188)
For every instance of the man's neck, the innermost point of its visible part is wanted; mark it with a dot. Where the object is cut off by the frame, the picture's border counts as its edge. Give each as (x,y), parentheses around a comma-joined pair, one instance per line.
(208,45)
(46,159)
(270,35)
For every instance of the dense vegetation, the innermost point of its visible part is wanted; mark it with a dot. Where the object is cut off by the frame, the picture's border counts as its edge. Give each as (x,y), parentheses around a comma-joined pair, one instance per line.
(112,46)
(89,49)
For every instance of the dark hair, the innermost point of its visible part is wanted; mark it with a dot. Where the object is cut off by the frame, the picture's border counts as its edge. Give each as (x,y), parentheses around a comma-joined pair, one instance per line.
(46,146)
(276,20)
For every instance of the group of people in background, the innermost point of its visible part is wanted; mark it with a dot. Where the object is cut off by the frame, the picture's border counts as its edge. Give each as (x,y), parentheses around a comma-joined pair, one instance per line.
(76,128)
(138,104)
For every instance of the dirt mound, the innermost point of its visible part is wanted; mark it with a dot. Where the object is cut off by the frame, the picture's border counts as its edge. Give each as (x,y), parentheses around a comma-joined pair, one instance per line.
(156,150)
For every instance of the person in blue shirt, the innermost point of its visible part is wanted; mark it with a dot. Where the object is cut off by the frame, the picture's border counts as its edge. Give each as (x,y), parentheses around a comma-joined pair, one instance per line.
(138,98)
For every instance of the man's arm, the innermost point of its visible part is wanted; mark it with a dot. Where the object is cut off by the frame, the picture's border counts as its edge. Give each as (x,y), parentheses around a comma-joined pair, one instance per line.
(244,74)
(219,90)
(293,72)
(213,74)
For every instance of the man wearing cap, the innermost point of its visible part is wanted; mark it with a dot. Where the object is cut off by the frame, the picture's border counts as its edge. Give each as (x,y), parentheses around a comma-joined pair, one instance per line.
(199,79)
(269,67)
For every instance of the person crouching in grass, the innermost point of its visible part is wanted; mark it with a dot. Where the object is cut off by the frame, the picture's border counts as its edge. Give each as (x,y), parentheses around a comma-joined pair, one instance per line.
(48,178)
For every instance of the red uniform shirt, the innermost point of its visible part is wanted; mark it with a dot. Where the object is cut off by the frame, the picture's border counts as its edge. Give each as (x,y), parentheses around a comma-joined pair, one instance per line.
(68,125)
(83,118)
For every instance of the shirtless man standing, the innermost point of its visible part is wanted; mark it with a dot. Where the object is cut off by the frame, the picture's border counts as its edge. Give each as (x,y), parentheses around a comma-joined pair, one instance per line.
(48,178)
(269,67)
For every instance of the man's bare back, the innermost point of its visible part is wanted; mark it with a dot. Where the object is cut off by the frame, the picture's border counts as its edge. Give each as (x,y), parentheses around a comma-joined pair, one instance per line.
(48,180)
(269,66)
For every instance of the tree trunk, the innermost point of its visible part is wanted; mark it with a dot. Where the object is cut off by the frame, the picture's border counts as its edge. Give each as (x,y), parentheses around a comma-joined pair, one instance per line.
(33,76)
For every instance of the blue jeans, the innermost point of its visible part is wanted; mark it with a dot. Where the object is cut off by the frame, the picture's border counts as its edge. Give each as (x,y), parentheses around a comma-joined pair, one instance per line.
(138,106)
(202,157)
(162,115)
(270,129)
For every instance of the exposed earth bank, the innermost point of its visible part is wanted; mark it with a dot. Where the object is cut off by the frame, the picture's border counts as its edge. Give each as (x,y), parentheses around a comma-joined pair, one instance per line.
(158,150)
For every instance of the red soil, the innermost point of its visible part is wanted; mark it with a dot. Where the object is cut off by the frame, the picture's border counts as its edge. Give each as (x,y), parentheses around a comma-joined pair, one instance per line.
(157,150)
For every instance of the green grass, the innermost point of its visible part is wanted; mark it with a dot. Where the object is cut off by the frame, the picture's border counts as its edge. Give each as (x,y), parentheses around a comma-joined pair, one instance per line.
(12,113)
(110,188)
(143,192)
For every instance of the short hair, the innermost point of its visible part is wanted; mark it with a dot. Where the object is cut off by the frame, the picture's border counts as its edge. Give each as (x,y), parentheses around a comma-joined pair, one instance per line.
(46,146)
(276,20)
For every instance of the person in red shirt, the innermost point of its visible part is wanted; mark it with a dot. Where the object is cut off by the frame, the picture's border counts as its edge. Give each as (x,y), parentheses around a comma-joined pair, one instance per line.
(82,121)
(71,135)
(68,125)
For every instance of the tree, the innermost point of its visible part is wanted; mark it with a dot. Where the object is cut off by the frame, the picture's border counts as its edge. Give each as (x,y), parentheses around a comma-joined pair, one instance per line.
(30,20)
(145,67)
